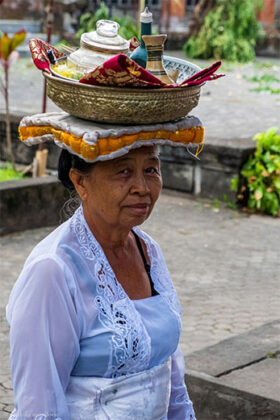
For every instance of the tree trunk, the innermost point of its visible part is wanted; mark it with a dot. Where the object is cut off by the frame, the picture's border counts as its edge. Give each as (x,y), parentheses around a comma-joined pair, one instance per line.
(8,124)
(202,8)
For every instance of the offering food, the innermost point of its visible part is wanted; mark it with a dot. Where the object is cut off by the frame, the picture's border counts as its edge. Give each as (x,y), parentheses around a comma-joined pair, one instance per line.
(62,69)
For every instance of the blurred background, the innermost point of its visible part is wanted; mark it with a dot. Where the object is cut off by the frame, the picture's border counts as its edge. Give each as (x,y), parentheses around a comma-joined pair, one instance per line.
(176,17)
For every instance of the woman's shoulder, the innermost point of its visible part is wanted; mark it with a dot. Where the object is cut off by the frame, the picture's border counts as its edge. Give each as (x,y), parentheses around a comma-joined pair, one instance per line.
(43,275)
(53,244)
(46,266)
(65,243)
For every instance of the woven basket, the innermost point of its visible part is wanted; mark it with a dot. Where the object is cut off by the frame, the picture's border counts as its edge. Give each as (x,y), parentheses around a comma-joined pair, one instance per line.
(124,105)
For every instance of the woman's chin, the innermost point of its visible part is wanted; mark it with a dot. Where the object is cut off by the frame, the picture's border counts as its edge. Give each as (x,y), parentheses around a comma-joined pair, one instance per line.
(136,219)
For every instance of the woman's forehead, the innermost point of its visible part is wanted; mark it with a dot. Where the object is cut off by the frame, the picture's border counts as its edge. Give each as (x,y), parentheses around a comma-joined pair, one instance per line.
(143,152)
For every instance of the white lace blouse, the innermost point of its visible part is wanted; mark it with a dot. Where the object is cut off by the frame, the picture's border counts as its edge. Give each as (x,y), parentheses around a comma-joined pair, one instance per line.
(69,316)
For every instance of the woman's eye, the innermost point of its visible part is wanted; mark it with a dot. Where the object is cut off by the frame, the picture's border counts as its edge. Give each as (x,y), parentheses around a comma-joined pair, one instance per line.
(152,170)
(124,171)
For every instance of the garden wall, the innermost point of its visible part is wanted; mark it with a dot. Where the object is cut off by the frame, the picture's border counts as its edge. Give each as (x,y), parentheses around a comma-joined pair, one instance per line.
(30,203)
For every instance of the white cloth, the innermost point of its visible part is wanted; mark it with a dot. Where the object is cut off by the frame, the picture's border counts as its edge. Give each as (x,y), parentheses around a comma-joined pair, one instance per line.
(141,396)
(66,290)
(91,132)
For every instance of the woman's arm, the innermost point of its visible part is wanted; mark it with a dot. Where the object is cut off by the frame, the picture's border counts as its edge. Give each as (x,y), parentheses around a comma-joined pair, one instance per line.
(180,405)
(43,339)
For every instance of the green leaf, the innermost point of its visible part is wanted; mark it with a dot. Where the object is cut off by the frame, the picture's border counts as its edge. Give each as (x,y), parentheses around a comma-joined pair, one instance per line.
(18,39)
(5,46)
(7,173)
(251,202)
(234,184)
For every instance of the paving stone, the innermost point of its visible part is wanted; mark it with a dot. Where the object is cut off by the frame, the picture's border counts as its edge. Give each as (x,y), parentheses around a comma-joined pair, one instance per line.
(8,408)
(4,414)
(6,396)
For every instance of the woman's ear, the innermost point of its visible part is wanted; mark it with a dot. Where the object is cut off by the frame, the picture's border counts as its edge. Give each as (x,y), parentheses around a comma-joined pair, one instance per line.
(78,181)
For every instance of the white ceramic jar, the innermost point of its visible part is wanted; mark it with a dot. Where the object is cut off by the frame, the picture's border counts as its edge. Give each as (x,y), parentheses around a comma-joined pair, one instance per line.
(98,46)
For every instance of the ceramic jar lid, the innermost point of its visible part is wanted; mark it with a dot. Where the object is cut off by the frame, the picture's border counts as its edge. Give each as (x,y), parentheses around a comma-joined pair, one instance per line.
(105,38)
(98,46)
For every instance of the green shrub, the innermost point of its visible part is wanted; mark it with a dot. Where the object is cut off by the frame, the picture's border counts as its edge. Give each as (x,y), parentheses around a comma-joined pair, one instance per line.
(229,31)
(258,187)
(8,173)
(267,82)
(128,27)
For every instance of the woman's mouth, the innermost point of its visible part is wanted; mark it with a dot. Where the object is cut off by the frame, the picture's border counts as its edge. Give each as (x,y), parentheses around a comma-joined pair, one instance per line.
(139,208)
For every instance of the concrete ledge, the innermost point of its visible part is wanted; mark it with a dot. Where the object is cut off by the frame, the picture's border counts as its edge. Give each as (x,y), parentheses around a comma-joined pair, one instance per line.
(30,203)
(214,400)
(241,350)
(238,378)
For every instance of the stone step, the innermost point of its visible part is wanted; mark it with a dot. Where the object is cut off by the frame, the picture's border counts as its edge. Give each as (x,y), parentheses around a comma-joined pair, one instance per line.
(238,378)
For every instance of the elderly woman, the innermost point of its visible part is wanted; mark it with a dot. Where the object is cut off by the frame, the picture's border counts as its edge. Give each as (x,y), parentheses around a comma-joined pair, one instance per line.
(95,321)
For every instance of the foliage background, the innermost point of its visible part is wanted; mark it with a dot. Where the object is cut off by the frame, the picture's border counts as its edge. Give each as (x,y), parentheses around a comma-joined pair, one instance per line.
(128,27)
(229,31)
(259,185)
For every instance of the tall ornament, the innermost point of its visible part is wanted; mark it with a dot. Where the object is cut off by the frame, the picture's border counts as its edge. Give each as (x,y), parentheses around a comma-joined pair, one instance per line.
(155,46)
(140,53)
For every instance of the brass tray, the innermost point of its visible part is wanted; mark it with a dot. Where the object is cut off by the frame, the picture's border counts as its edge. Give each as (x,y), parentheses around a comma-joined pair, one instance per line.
(126,105)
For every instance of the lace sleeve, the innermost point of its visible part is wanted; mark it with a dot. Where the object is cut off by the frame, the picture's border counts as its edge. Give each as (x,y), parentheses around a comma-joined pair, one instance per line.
(44,341)
(180,405)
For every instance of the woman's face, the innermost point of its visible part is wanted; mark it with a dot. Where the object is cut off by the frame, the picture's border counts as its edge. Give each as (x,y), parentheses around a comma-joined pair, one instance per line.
(122,192)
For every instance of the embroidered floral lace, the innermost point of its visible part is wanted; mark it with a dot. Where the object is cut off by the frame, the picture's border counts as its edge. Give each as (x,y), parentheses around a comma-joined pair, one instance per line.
(131,343)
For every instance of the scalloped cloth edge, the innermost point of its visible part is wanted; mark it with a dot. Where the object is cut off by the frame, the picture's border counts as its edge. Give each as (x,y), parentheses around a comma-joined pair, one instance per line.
(97,142)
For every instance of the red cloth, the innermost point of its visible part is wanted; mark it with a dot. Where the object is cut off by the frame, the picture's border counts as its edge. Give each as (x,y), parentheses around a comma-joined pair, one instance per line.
(122,71)
(38,49)
(204,75)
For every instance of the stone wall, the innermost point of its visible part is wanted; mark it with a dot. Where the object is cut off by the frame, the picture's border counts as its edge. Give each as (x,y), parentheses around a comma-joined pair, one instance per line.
(20,9)
(209,176)
(30,203)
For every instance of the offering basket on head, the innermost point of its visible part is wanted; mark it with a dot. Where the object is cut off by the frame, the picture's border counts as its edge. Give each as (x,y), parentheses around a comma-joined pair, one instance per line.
(126,105)
(100,82)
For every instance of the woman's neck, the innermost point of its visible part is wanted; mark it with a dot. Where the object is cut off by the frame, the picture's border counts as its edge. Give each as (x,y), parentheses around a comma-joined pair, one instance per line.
(109,236)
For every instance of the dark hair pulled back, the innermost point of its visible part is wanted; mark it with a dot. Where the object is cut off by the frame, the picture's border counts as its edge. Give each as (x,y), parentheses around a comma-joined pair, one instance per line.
(68,161)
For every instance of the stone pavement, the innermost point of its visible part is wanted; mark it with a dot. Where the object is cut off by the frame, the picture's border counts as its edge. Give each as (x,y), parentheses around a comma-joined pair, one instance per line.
(225,266)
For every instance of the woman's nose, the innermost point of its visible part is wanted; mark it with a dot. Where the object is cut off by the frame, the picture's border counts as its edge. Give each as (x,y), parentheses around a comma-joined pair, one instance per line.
(139,185)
